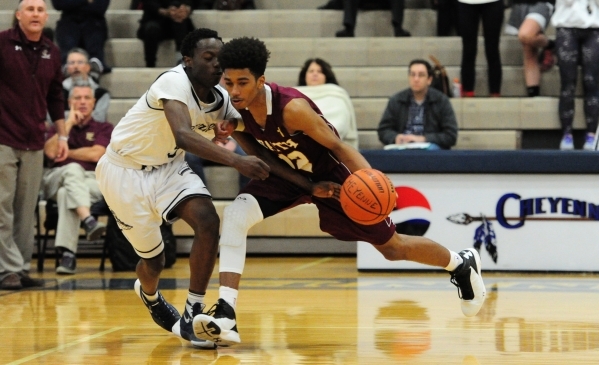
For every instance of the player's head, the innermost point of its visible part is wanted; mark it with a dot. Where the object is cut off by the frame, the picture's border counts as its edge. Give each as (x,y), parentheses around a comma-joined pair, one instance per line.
(244,62)
(420,75)
(200,49)
(316,71)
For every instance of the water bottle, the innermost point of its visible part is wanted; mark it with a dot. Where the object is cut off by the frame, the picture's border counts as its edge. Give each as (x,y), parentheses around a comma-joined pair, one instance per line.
(456,88)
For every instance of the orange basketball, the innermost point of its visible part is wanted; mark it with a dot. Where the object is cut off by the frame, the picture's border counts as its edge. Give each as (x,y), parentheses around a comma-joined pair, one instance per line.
(367,196)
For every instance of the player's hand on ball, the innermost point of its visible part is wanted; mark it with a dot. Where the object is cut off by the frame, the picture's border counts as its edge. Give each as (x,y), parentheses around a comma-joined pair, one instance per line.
(326,189)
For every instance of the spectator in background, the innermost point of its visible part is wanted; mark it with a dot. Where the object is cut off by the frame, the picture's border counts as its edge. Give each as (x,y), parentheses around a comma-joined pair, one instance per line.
(447,17)
(77,70)
(162,20)
(30,87)
(419,113)
(318,82)
(528,20)
(470,12)
(83,24)
(72,182)
(225,4)
(350,13)
(577,41)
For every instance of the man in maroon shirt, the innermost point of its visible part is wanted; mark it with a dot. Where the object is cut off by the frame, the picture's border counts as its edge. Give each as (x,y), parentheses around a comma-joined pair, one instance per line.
(72,182)
(30,86)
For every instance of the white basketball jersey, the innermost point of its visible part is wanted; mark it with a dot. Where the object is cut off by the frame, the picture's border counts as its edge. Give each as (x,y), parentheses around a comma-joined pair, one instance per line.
(144,136)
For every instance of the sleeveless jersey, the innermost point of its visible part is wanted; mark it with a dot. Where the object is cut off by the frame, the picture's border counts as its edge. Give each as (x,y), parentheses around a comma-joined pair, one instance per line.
(299,150)
(144,136)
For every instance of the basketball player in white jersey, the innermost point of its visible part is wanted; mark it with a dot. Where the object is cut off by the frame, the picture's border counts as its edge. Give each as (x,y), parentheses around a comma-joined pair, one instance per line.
(144,178)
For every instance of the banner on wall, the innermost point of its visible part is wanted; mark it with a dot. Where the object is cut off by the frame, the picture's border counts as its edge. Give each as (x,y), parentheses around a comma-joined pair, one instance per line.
(517,222)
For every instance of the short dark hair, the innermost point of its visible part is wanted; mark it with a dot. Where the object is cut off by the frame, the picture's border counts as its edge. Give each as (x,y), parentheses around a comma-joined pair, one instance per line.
(190,42)
(80,51)
(327,71)
(429,68)
(244,52)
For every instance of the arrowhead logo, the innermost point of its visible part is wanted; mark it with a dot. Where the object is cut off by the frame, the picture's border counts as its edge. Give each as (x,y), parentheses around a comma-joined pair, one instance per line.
(468,254)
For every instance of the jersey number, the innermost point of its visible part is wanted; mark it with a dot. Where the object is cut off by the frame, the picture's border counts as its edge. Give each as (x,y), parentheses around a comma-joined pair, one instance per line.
(297,160)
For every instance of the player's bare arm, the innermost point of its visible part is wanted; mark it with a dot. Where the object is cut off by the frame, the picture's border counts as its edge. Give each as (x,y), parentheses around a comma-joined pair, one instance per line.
(179,120)
(321,189)
(299,116)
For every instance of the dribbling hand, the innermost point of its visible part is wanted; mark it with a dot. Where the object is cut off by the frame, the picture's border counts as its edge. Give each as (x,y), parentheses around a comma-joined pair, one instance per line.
(326,189)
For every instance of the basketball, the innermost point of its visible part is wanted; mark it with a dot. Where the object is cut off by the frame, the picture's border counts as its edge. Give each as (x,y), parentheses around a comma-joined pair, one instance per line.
(367,196)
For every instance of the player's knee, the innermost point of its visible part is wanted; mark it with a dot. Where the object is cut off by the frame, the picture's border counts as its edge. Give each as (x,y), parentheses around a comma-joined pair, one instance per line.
(241,215)
(153,266)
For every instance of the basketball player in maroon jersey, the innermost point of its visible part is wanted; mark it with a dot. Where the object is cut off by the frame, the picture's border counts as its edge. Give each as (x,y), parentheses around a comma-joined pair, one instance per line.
(282,124)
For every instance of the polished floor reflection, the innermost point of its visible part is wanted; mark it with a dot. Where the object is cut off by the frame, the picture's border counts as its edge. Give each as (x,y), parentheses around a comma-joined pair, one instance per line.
(311,310)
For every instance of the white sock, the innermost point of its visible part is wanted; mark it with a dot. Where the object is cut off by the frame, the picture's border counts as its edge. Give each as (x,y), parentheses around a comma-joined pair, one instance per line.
(454,261)
(151,298)
(194,298)
(229,295)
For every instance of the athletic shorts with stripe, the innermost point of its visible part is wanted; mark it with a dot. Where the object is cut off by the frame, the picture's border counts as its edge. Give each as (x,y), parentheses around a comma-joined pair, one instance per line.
(141,199)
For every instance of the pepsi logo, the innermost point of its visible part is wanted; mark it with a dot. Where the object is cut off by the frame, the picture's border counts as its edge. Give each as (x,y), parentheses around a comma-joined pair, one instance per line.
(412,214)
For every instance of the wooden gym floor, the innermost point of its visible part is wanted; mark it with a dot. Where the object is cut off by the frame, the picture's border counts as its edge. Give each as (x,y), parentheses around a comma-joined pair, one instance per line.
(309,310)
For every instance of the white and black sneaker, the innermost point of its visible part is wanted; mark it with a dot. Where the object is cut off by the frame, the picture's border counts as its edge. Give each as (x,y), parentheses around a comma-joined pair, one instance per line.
(162,312)
(184,327)
(218,325)
(468,278)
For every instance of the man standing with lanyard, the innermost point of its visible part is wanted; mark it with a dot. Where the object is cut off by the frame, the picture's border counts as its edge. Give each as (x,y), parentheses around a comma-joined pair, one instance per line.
(30,87)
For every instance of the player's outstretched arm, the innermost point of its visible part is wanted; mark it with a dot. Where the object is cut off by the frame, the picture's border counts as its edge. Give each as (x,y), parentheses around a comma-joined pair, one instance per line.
(179,120)
(299,116)
(322,189)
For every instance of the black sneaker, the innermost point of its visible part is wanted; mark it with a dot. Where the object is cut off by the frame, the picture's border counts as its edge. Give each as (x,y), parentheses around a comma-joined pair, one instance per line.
(93,229)
(67,263)
(184,328)
(344,33)
(29,282)
(467,277)
(162,312)
(218,325)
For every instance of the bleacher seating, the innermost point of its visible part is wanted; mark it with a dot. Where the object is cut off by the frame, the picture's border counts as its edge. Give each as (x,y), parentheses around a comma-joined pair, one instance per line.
(371,67)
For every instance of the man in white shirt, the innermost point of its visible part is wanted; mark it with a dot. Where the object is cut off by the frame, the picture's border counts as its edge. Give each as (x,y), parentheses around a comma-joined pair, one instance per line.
(144,178)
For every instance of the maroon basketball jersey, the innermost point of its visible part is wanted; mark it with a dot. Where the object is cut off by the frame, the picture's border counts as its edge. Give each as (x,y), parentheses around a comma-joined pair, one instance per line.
(299,150)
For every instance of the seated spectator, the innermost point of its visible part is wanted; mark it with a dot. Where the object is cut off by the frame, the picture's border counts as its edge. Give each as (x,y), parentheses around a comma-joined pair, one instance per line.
(225,4)
(576,39)
(77,70)
(350,13)
(528,20)
(419,114)
(318,82)
(83,24)
(162,20)
(72,182)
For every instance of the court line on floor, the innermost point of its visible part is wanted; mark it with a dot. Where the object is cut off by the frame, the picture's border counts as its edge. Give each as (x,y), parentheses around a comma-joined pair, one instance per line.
(313,263)
(66,345)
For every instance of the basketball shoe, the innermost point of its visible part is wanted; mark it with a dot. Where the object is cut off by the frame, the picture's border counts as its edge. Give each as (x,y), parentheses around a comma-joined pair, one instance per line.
(467,277)
(218,325)
(184,327)
(162,312)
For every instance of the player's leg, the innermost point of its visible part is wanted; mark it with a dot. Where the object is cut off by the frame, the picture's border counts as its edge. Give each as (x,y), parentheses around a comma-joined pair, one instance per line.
(465,267)
(126,193)
(200,214)
(258,200)
(182,194)
(219,324)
